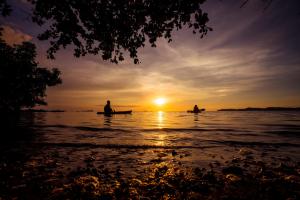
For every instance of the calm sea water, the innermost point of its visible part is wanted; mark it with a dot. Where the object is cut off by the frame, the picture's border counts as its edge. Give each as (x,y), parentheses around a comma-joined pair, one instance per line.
(136,139)
(171,128)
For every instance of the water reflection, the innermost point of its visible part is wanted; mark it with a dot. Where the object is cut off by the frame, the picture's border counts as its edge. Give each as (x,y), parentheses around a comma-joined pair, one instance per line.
(160,119)
(107,120)
(196,120)
(160,124)
(20,127)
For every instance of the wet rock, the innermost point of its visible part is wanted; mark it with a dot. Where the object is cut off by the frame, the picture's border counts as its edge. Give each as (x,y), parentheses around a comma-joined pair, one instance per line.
(217,163)
(263,154)
(89,159)
(145,198)
(266,172)
(292,179)
(160,171)
(89,165)
(119,172)
(232,170)
(136,182)
(87,184)
(232,178)
(245,152)
(285,168)
(133,194)
(187,154)
(249,157)
(292,198)
(236,160)
(245,165)
(285,159)
(57,191)
(210,176)
(259,164)
(212,155)
(198,172)
(174,153)
(19,186)
(161,155)
(266,180)
(54,154)
(159,160)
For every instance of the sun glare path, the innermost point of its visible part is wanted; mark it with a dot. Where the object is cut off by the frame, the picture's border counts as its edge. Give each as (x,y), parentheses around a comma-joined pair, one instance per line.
(160,101)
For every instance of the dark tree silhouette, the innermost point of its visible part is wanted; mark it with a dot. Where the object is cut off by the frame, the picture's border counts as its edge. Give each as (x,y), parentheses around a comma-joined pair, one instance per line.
(112,27)
(22,82)
(4,8)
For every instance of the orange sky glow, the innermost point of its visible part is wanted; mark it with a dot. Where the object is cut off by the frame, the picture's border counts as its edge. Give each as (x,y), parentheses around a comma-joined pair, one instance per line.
(250,59)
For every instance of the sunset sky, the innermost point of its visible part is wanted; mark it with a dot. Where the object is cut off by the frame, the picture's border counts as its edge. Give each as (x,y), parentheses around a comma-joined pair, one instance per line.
(251,58)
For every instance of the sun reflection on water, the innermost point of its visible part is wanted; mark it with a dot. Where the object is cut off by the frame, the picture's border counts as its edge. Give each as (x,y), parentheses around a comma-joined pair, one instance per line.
(160,119)
(160,125)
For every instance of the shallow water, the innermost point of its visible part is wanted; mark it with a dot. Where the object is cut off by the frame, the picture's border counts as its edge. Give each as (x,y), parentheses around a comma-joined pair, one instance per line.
(143,137)
(238,155)
(171,128)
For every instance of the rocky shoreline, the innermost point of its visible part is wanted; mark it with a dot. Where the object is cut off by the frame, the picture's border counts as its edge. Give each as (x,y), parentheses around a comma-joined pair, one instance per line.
(24,177)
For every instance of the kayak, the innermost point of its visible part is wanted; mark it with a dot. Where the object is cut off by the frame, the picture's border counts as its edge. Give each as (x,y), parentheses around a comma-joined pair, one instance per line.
(191,111)
(116,112)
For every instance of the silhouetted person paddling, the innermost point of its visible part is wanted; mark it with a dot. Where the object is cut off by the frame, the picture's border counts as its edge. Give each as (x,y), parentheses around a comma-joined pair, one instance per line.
(196,109)
(107,108)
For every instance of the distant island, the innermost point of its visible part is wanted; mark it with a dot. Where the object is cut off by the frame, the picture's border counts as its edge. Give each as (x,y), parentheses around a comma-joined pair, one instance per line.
(262,109)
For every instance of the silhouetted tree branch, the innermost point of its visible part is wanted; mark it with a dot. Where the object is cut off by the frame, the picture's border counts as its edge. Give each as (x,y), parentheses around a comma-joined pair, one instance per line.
(113,27)
(5,9)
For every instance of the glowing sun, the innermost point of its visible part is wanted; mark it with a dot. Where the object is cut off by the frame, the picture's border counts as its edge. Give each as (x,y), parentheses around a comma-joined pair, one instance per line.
(160,101)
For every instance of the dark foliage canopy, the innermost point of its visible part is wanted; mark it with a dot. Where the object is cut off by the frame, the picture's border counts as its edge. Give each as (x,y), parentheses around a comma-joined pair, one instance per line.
(4,8)
(22,82)
(112,27)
